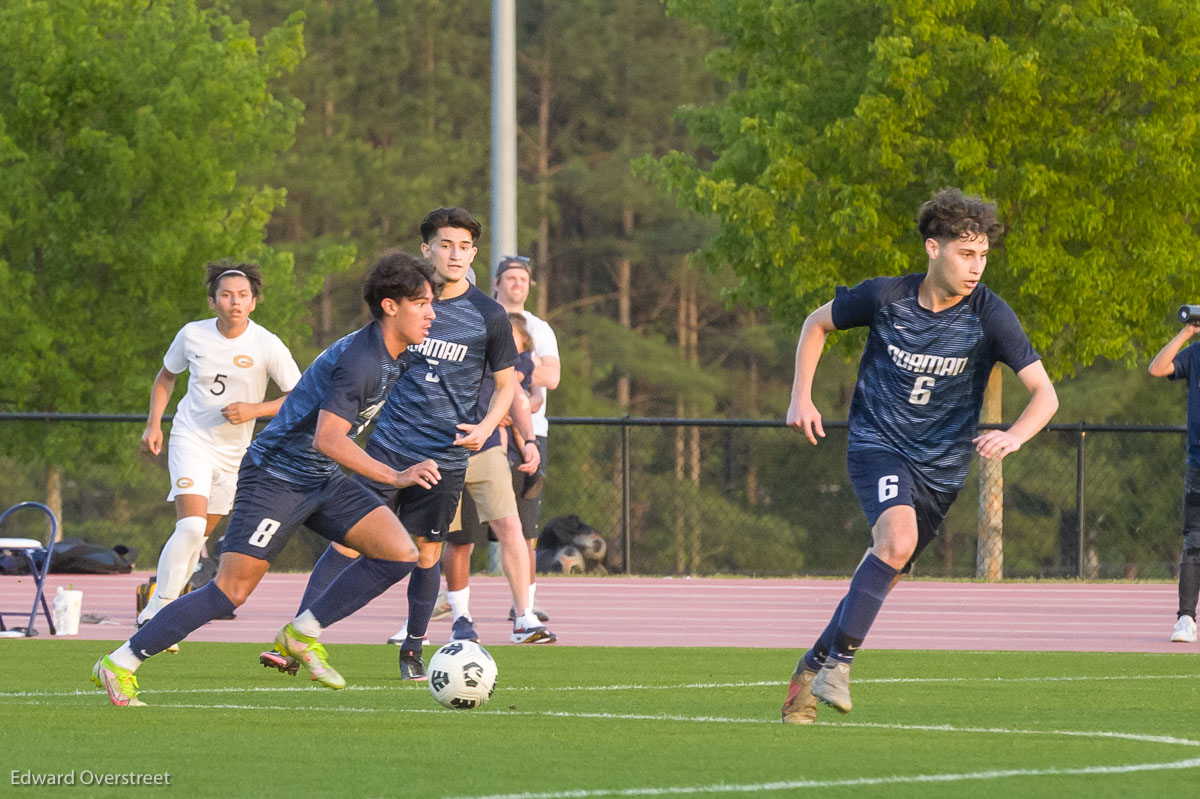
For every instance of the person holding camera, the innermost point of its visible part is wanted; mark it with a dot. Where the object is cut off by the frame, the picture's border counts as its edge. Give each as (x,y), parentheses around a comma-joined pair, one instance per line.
(1175,364)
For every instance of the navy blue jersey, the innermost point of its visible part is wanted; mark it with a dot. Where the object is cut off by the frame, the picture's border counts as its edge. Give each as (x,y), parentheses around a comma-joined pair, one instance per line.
(441,388)
(1187,367)
(922,374)
(351,379)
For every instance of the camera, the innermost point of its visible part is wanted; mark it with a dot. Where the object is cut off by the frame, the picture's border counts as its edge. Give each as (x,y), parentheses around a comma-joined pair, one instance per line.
(1189,314)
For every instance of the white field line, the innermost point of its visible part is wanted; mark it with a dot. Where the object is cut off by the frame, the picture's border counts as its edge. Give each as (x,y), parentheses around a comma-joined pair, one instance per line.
(1104,734)
(770,786)
(623,687)
(792,785)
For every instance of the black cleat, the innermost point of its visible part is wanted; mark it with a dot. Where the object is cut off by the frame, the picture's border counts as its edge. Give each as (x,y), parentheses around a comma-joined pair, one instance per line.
(274,659)
(412,667)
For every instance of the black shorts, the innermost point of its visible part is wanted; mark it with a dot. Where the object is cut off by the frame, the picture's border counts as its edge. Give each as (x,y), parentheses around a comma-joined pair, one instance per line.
(1191,508)
(530,510)
(268,510)
(424,512)
(882,480)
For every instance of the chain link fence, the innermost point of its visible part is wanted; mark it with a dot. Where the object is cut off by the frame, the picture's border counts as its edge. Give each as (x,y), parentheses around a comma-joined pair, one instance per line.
(755,498)
(702,497)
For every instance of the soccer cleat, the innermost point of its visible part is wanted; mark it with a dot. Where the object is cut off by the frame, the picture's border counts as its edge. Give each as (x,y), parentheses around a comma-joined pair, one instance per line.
(832,685)
(464,630)
(311,653)
(120,684)
(173,648)
(274,659)
(411,666)
(532,635)
(1185,630)
(542,615)
(442,609)
(801,705)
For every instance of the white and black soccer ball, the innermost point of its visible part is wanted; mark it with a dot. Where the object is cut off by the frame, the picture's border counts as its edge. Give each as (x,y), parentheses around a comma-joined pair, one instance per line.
(462,675)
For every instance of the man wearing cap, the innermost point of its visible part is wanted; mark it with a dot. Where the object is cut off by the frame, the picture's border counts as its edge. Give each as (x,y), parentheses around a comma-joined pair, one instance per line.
(513,278)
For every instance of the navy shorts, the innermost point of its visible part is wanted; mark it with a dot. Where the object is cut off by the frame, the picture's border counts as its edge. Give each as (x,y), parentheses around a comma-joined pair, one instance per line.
(268,510)
(882,480)
(424,512)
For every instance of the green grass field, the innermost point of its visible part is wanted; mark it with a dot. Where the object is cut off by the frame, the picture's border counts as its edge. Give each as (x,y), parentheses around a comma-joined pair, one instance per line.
(583,722)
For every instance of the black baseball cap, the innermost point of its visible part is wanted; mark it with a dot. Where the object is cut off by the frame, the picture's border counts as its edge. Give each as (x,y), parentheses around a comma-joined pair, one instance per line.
(513,262)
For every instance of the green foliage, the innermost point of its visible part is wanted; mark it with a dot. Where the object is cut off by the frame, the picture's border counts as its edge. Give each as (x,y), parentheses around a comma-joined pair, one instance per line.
(1080,120)
(125,128)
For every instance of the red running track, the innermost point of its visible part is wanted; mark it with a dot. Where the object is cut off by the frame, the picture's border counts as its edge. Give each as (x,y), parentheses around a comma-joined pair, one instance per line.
(643,611)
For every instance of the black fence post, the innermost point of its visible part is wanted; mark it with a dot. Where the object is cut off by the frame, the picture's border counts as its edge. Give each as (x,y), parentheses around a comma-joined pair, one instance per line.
(1080,490)
(626,532)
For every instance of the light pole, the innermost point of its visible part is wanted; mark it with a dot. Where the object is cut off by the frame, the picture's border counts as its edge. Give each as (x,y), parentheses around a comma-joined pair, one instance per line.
(504,132)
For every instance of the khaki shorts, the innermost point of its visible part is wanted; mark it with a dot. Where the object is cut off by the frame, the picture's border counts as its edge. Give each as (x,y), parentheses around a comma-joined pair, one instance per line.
(490,483)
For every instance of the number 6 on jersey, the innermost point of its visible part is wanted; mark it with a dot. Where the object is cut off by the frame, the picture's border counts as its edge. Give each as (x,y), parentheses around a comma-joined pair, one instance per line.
(922,390)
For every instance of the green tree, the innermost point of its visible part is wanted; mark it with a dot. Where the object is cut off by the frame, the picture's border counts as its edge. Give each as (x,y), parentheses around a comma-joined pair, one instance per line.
(125,129)
(1080,119)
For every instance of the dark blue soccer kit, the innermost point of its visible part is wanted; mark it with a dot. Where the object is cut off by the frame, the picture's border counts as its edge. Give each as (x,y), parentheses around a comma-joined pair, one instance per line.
(283,482)
(920,387)
(439,391)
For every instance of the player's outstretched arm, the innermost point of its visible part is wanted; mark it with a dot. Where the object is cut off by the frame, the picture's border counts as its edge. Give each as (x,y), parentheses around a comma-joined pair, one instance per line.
(160,395)
(1163,364)
(802,414)
(332,439)
(1043,403)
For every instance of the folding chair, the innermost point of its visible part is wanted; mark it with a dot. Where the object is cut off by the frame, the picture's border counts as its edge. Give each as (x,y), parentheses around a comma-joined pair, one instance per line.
(31,549)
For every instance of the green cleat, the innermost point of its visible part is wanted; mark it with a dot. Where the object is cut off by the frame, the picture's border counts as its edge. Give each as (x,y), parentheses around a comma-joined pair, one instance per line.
(311,654)
(120,684)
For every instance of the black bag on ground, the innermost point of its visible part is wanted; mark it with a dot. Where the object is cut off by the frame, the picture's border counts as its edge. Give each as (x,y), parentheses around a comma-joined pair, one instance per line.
(76,556)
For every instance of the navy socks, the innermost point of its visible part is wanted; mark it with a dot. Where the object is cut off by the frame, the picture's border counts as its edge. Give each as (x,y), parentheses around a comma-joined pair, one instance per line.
(854,616)
(359,583)
(331,564)
(868,588)
(422,596)
(179,619)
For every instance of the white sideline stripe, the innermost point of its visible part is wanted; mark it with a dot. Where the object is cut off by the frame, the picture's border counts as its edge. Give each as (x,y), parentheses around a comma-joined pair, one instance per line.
(1126,736)
(626,687)
(791,785)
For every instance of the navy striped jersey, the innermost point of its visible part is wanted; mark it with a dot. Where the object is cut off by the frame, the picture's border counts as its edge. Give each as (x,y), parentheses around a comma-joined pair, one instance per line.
(922,374)
(1187,367)
(441,388)
(350,379)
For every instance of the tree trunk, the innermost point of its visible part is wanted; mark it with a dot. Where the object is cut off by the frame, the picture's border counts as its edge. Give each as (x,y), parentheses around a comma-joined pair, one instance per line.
(681,340)
(54,495)
(624,275)
(752,412)
(693,334)
(989,552)
(543,167)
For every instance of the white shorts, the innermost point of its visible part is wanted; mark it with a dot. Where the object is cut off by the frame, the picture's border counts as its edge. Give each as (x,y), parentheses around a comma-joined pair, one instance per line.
(196,470)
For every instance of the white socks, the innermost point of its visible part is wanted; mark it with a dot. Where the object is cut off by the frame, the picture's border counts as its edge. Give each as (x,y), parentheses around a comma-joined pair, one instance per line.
(176,563)
(532,591)
(123,656)
(460,602)
(307,624)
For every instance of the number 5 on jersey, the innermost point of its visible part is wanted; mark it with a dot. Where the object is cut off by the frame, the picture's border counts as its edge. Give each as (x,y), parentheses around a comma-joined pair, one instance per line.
(922,390)
(262,535)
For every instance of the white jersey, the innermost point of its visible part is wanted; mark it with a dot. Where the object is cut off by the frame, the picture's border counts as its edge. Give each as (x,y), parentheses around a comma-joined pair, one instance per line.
(545,344)
(223,371)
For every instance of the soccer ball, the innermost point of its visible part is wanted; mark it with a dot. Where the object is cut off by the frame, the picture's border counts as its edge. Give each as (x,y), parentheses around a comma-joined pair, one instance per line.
(462,675)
